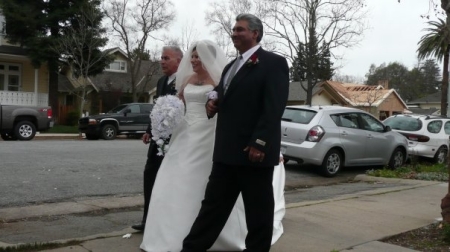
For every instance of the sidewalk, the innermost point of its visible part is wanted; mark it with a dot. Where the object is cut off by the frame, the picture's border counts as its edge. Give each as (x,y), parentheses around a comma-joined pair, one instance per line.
(352,222)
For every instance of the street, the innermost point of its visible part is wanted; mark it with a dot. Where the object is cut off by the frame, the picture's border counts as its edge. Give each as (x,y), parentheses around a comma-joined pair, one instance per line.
(43,171)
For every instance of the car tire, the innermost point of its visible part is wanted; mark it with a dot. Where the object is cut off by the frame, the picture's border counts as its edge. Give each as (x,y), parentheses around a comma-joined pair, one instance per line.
(397,158)
(441,155)
(109,132)
(8,137)
(332,163)
(90,136)
(25,130)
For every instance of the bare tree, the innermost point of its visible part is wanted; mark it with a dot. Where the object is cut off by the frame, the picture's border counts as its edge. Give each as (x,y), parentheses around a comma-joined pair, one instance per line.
(348,78)
(133,23)
(79,48)
(188,35)
(221,17)
(367,96)
(338,23)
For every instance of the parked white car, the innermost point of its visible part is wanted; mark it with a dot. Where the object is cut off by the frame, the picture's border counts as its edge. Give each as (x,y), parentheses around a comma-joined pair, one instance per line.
(428,136)
(333,137)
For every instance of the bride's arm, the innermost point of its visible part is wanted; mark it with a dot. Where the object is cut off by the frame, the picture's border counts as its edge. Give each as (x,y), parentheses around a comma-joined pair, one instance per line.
(181,92)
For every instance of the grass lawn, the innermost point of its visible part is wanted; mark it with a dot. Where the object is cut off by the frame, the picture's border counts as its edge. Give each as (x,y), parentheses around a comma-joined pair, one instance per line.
(63,129)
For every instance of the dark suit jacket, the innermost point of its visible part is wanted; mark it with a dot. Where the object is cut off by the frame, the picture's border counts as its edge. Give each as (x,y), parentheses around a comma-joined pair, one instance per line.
(161,89)
(249,114)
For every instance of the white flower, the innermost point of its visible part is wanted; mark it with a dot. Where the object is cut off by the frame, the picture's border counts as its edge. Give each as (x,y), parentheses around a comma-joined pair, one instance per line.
(165,117)
(212,95)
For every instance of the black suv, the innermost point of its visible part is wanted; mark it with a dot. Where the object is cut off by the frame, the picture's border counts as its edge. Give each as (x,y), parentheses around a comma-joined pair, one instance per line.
(125,119)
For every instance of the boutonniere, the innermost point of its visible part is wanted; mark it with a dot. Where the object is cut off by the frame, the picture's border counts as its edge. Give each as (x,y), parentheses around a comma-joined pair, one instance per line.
(253,60)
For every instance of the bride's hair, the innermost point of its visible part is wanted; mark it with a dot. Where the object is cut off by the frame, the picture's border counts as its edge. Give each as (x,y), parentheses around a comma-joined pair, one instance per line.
(212,57)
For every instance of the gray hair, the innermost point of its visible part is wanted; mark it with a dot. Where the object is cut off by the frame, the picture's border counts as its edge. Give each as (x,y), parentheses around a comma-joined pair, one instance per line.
(254,24)
(175,49)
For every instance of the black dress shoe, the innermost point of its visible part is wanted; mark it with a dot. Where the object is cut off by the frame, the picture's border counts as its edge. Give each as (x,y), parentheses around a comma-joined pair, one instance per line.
(140,226)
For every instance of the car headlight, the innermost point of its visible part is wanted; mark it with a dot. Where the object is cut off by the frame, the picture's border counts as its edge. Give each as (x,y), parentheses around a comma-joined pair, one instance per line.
(92,121)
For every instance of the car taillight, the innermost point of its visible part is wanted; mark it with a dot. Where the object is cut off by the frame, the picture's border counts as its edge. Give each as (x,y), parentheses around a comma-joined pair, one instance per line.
(315,134)
(417,138)
(49,112)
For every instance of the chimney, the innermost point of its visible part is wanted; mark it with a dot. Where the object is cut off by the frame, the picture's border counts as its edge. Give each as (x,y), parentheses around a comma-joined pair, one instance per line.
(384,83)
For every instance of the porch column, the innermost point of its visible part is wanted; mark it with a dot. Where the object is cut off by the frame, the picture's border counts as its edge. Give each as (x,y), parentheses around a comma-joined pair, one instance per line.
(36,81)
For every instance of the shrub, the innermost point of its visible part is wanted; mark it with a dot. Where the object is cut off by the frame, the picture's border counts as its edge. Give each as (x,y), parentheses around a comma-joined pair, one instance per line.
(72,118)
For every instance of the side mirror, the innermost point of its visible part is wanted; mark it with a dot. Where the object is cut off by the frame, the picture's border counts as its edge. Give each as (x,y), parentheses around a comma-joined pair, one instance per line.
(126,111)
(387,128)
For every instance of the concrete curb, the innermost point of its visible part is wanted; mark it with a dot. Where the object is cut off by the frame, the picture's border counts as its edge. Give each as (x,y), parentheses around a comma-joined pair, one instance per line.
(105,203)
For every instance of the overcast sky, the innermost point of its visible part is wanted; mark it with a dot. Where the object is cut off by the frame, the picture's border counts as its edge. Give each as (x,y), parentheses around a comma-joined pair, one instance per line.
(395,29)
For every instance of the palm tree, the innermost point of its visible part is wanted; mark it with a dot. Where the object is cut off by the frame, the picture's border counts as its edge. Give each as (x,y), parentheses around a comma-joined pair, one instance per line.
(436,44)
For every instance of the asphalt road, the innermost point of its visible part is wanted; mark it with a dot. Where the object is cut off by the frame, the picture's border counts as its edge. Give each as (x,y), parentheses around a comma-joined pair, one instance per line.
(43,171)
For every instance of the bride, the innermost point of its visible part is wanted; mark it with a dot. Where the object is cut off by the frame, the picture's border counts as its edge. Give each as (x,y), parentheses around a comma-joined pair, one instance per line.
(181,181)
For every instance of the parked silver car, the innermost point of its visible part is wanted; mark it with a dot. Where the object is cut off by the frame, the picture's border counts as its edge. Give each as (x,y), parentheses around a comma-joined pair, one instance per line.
(333,137)
(427,135)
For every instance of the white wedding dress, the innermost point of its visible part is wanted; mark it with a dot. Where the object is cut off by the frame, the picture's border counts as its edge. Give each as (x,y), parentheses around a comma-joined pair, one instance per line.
(181,182)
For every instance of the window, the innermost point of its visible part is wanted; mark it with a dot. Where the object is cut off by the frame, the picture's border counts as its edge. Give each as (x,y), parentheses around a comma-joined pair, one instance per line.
(10,77)
(298,115)
(134,109)
(434,126)
(371,123)
(146,108)
(117,66)
(70,100)
(346,120)
(447,127)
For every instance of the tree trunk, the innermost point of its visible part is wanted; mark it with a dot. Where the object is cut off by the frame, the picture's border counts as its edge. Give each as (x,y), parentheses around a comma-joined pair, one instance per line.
(53,87)
(445,202)
(444,86)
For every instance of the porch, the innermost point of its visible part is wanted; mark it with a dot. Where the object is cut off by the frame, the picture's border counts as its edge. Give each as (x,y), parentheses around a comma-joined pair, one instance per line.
(23,98)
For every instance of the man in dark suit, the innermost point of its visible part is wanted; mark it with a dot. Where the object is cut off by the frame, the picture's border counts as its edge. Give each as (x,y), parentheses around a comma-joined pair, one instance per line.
(170,59)
(247,146)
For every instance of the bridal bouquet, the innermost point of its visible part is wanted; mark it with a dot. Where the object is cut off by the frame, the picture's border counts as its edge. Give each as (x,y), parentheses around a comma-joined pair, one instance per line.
(165,117)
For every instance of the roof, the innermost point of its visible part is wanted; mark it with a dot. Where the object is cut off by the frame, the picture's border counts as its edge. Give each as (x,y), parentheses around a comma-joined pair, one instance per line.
(360,94)
(114,81)
(297,93)
(430,111)
(13,50)
(432,98)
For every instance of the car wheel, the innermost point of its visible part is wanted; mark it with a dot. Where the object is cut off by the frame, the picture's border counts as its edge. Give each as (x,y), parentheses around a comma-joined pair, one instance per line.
(24,130)
(397,158)
(90,136)
(109,132)
(441,155)
(332,163)
(8,137)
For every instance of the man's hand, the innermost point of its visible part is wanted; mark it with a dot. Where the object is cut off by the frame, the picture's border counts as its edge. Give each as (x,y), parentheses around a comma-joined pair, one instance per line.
(254,155)
(146,138)
(211,108)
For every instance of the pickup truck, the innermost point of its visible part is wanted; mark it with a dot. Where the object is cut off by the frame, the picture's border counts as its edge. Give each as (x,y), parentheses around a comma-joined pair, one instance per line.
(129,119)
(22,122)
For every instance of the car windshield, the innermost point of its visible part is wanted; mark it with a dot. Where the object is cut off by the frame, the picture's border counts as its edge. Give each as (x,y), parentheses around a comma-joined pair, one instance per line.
(405,123)
(117,109)
(298,115)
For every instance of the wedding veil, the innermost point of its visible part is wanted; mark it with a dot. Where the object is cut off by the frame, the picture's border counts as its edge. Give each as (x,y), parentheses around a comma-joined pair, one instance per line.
(213,60)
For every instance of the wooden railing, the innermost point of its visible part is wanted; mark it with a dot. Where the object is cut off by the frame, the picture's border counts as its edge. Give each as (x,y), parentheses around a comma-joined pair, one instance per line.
(23,98)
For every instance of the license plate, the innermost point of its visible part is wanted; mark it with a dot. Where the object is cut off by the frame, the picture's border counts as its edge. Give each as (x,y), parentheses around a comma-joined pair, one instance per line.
(283,149)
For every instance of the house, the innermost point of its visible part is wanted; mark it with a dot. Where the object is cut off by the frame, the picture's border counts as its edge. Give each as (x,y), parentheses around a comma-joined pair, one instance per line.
(108,89)
(377,100)
(428,105)
(297,95)
(20,82)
